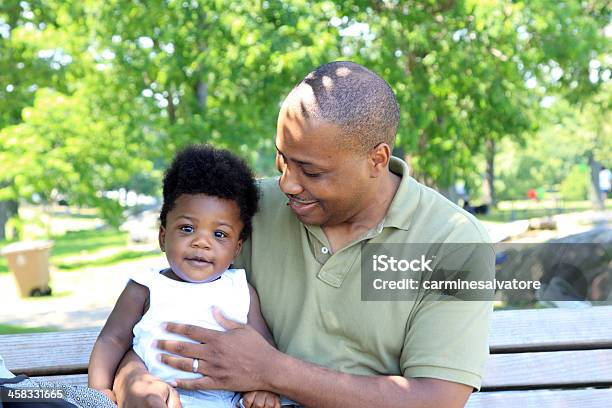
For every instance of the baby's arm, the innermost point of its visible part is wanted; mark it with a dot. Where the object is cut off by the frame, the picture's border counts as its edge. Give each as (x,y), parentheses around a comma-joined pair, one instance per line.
(115,339)
(257,399)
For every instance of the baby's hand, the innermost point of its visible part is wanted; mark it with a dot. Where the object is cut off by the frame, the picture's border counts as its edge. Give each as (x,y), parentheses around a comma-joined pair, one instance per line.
(260,399)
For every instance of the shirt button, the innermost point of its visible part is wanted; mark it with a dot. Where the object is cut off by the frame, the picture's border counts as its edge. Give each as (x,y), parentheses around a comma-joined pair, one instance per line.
(325,250)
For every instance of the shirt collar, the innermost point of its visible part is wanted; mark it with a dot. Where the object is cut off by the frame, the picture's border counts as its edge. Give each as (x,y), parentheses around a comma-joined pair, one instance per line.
(406,198)
(402,206)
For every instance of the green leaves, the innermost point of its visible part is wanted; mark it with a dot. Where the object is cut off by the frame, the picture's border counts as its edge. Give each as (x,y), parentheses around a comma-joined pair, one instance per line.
(60,148)
(102,94)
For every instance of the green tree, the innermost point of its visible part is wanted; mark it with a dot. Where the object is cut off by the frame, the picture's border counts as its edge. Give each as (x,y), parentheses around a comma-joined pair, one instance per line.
(183,72)
(574,135)
(83,157)
(146,79)
(31,57)
(576,184)
(469,74)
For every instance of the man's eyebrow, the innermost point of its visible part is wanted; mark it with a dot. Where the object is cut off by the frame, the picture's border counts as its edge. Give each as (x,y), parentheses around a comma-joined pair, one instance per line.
(300,162)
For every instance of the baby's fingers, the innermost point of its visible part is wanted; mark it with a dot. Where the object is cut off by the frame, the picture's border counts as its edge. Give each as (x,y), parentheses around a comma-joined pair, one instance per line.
(247,399)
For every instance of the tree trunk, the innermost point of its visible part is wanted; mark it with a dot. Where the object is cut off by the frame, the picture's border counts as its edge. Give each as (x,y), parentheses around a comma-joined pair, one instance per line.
(489,182)
(594,193)
(7,210)
(202,95)
(171,108)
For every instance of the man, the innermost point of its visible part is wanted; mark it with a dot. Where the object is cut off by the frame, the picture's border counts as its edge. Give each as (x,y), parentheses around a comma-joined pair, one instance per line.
(339,189)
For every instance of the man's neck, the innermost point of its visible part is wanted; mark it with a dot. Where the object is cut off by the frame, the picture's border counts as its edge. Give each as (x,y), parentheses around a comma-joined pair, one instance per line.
(340,235)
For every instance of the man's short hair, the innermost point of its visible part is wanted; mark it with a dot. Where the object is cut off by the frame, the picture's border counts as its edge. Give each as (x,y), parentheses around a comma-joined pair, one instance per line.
(355,99)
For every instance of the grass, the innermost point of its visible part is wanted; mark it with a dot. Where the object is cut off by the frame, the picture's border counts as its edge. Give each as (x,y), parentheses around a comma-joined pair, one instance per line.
(87,242)
(122,256)
(10,329)
(78,242)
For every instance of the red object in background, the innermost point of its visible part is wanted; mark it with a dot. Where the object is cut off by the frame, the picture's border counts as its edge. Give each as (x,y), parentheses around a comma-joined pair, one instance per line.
(532,194)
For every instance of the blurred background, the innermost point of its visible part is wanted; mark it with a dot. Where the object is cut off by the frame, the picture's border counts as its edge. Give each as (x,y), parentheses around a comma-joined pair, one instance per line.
(505,109)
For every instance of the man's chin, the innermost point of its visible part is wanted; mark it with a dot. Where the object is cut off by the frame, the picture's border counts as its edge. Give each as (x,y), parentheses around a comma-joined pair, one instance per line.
(320,220)
(310,219)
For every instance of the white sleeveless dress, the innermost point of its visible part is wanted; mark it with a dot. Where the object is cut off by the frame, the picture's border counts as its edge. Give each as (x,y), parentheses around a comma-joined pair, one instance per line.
(191,303)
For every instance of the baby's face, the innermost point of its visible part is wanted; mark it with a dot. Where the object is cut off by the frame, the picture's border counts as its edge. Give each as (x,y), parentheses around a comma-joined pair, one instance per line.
(201,237)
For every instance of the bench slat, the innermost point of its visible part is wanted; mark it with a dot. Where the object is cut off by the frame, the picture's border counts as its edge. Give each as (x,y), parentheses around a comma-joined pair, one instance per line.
(551,329)
(38,354)
(587,398)
(548,369)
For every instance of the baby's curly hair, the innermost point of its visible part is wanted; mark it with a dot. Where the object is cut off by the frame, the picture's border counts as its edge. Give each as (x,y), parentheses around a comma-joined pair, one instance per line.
(202,169)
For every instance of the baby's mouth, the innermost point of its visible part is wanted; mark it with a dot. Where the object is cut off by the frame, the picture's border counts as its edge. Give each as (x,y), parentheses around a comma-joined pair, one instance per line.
(198,261)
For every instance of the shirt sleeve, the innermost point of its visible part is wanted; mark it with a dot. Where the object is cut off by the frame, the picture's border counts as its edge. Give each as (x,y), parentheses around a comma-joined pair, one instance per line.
(447,337)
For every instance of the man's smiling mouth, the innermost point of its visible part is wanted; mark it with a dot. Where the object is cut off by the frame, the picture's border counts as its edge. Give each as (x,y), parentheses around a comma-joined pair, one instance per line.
(300,201)
(301,207)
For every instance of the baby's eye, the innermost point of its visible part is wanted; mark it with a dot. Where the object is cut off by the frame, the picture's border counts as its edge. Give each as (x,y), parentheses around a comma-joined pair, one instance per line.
(220,234)
(186,228)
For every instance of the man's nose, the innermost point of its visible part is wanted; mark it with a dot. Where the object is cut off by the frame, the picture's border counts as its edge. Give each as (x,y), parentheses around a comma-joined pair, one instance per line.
(288,182)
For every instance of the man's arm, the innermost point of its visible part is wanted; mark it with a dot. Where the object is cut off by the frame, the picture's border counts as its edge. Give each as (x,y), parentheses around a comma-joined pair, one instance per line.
(240,359)
(316,386)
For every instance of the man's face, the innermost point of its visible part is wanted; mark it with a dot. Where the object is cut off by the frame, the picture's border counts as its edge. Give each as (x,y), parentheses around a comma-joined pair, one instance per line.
(325,183)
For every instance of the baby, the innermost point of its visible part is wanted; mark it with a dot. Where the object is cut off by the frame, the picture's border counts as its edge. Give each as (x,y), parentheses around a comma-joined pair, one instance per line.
(210,197)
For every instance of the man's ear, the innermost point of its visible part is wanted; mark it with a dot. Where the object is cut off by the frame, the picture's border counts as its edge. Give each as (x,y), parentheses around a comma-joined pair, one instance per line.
(162,238)
(378,158)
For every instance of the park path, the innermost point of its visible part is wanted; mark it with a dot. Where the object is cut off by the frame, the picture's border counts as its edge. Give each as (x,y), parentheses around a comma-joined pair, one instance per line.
(86,297)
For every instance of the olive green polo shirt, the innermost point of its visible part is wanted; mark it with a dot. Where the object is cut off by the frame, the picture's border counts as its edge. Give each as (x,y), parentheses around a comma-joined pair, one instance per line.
(311,299)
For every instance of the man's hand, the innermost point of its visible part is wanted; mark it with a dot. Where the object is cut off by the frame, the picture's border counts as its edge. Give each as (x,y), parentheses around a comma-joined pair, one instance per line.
(239,359)
(260,399)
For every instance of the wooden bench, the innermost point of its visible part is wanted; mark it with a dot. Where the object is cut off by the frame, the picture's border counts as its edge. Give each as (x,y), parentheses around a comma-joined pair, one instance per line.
(539,358)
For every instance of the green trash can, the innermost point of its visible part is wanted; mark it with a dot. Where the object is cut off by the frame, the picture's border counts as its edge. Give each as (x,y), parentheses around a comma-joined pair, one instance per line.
(29,262)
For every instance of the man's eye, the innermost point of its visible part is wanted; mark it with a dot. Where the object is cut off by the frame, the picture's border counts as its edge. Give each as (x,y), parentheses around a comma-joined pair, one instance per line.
(220,234)
(186,228)
(312,175)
